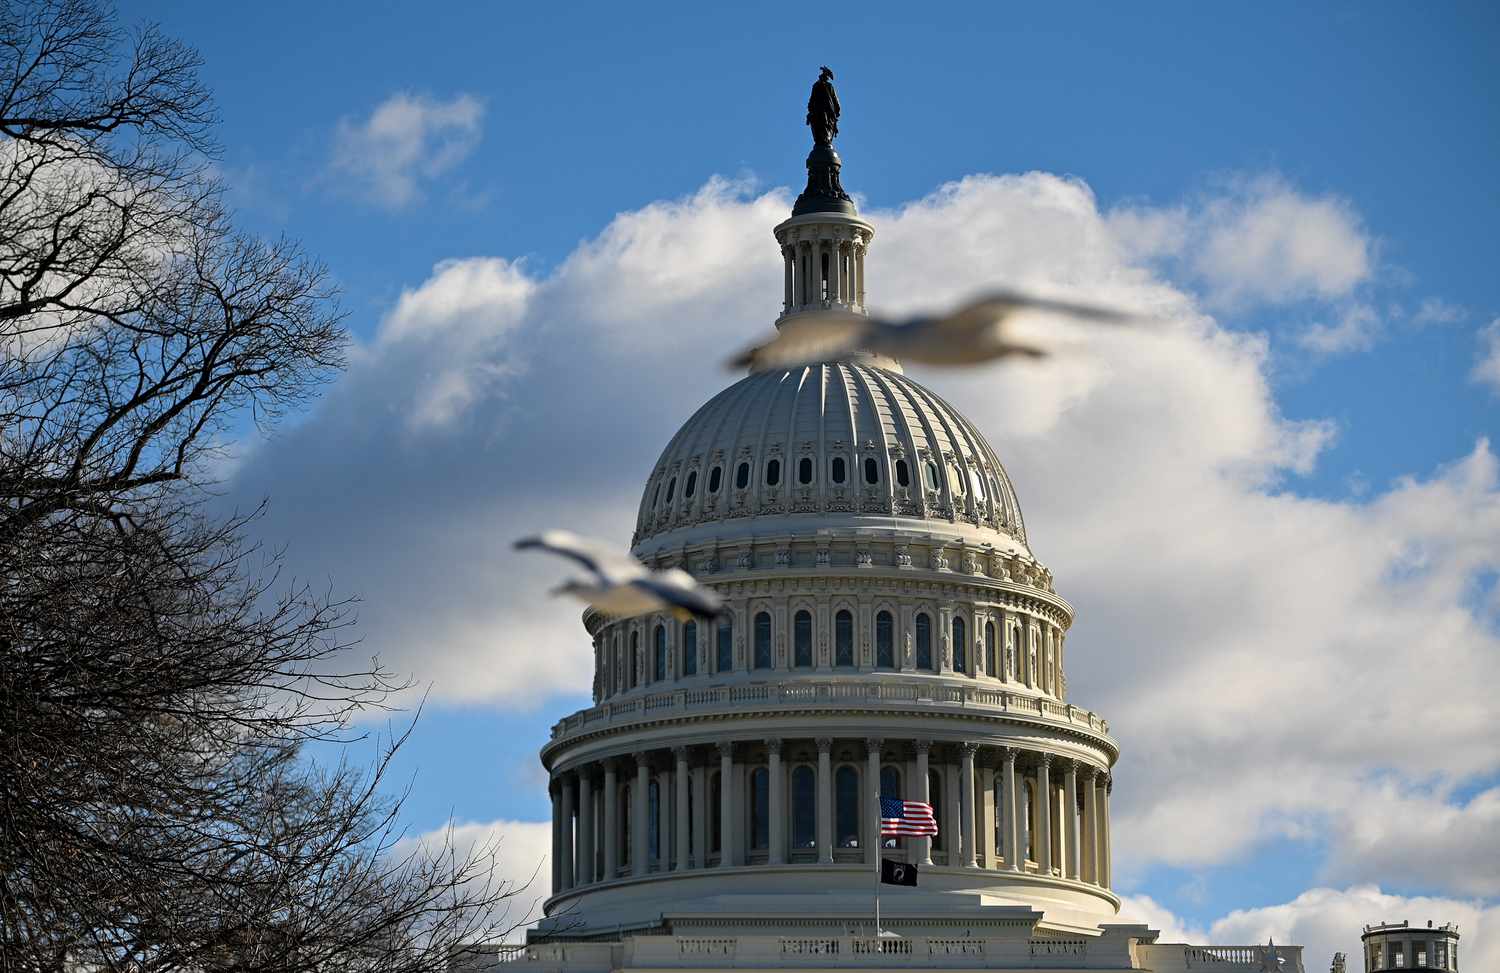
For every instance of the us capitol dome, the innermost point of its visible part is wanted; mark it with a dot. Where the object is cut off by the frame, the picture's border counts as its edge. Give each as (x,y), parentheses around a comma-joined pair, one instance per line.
(889,630)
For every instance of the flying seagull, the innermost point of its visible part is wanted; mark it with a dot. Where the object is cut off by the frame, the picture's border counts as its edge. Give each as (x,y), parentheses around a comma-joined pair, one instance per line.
(977,332)
(621,585)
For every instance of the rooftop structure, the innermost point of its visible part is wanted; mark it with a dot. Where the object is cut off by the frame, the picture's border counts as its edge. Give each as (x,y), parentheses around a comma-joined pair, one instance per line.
(1402,946)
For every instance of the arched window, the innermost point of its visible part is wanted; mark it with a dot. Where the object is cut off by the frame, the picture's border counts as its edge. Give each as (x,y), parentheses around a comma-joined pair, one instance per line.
(960,646)
(625,829)
(635,657)
(872,471)
(1032,677)
(955,480)
(742,476)
(804,470)
(689,665)
(760,809)
(885,641)
(715,812)
(659,656)
(846,807)
(989,650)
(691,485)
(930,470)
(763,640)
(726,645)
(671,486)
(890,788)
(715,479)
(839,473)
(924,642)
(935,797)
(843,638)
(804,808)
(773,472)
(903,476)
(802,657)
(653,822)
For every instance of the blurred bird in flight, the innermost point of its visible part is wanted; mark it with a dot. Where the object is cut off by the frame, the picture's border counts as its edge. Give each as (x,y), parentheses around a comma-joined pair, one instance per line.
(620,585)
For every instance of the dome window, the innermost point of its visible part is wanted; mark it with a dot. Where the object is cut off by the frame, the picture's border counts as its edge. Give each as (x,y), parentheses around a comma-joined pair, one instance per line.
(690,485)
(885,642)
(804,808)
(773,472)
(804,470)
(655,496)
(715,479)
(671,488)
(689,649)
(659,655)
(846,807)
(955,479)
(802,654)
(763,640)
(924,642)
(838,469)
(960,646)
(929,470)
(742,476)
(725,645)
(843,639)
(872,470)
(978,483)
(903,475)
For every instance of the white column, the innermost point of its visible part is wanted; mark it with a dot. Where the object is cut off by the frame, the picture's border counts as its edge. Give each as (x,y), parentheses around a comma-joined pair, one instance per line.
(788,255)
(1014,855)
(833,270)
(585,860)
(611,821)
(663,820)
(1105,867)
(1045,803)
(640,847)
(729,851)
(870,802)
(680,827)
(1070,819)
(825,800)
(700,817)
(986,822)
(1090,826)
(924,845)
(777,803)
(966,804)
(859,274)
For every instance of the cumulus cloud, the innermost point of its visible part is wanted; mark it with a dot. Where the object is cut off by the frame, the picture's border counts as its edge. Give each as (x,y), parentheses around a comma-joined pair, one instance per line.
(1261,240)
(1328,920)
(1355,330)
(1268,660)
(1435,310)
(407,141)
(519,850)
(1487,367)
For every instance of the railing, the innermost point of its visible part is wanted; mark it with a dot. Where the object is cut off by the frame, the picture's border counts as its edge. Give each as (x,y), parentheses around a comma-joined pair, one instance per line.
(822,692)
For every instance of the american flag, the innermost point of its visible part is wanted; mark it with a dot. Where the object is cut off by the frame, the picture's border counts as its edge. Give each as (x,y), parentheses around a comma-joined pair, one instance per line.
(906,817)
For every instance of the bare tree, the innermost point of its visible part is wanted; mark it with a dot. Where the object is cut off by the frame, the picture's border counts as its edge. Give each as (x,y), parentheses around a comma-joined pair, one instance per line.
(157,679)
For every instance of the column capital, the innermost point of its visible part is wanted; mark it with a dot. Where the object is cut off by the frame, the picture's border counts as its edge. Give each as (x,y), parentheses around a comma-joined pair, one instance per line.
(873,744)
(1008,756)
(773,745)
(725,748)
(680,753)
(1109,783)
(969,748)
(825,744)
(923,746)
(1088,771)
(1044,759)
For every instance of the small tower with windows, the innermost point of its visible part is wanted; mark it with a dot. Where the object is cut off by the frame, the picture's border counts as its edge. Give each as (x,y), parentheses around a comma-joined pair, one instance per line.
(1402,946)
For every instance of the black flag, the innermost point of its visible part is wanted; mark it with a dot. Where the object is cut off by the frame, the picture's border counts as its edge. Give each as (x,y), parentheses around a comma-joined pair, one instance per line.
(897,873)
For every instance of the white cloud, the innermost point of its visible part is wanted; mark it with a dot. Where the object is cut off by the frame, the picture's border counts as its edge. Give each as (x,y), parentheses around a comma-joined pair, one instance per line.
(1267,660)
(1355,330)
(1424,836)
(1258,241)
(1327,920)
(1487,367)
(519,852)
(1435,310)
(406,143)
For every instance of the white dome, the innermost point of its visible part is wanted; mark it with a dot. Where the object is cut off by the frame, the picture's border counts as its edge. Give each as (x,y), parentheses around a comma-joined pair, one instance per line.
(843,444)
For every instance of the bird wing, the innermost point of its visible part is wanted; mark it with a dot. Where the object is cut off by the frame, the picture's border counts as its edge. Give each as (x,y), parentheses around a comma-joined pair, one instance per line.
(991,308)
(803,339)
(676,587)
(609,566)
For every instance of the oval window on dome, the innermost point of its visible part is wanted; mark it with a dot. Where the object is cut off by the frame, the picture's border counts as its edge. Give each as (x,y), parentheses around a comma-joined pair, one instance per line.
(903,475)
(742,476)
(773,472)
(715,479)
(955,479)
(804,471)
(872,470)
(838,469)
(978,483)
(690,486)
(671,488)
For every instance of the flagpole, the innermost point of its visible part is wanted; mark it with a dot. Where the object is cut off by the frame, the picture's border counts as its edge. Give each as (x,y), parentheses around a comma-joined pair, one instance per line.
(878,844)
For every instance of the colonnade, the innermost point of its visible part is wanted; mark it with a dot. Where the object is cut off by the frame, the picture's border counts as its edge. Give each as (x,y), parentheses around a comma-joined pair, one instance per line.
(808,283)
(998,807)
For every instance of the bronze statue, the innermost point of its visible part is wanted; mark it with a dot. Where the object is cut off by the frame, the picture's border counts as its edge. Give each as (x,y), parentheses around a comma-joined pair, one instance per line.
(823,109)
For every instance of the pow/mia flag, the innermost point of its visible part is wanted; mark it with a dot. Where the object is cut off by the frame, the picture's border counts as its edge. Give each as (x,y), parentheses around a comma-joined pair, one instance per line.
(897,873)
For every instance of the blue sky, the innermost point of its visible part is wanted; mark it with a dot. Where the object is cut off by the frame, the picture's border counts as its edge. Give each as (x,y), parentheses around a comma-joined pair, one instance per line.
(1368,128)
